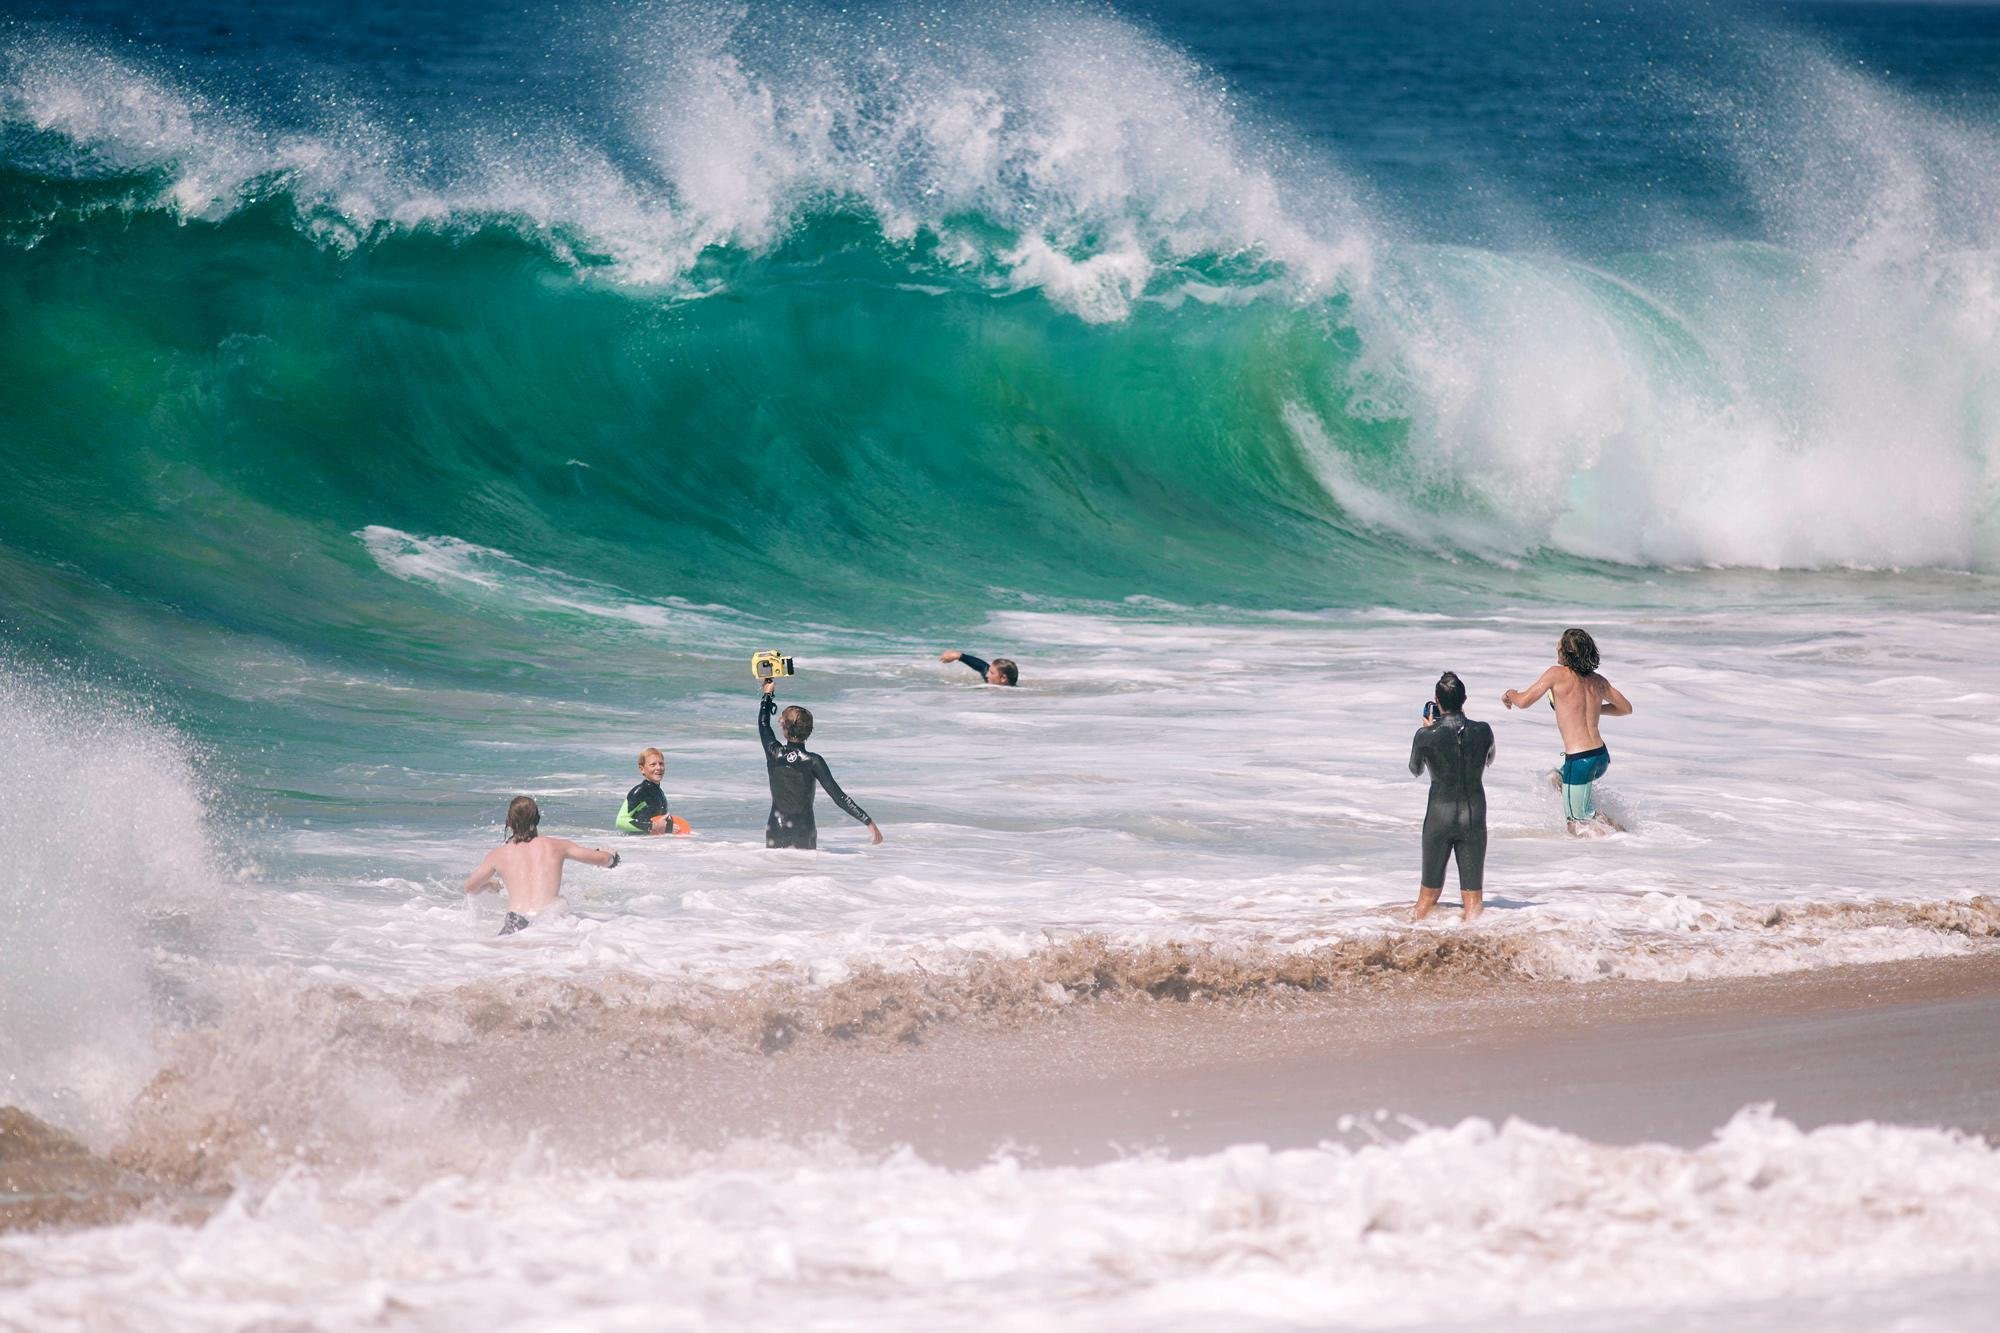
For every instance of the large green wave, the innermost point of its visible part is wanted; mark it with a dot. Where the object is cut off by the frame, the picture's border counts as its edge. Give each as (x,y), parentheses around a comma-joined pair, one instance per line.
(204,415)
(413,442)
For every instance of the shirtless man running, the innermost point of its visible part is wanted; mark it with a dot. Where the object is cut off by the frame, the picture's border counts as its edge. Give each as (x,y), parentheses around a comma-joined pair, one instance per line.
(530,865)
(1580,695)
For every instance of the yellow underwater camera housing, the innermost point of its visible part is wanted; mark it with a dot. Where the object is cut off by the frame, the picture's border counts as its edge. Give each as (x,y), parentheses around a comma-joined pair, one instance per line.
(769,665)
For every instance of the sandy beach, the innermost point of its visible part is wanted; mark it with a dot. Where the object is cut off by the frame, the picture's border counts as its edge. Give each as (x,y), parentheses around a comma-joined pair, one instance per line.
(1615,1063)
(1619,1063)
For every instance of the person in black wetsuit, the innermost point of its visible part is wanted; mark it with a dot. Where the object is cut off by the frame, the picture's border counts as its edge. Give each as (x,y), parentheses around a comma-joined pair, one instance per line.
(1000,671)
(793,770)
(1456,750)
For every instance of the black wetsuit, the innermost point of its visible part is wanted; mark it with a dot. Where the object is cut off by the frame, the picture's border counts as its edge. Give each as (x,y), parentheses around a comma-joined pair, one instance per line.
(641,804)
(793,770)
(1456,752)
(973,662)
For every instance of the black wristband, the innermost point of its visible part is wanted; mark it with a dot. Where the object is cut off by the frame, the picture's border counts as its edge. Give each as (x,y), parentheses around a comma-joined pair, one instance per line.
(613,865)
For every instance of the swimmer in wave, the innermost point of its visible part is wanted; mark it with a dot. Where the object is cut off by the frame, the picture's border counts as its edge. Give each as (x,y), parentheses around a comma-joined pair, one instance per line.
(1000,671)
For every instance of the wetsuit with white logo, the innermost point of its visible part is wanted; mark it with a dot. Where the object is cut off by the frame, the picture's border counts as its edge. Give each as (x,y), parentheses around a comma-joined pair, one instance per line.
(793,770)
(1456,752)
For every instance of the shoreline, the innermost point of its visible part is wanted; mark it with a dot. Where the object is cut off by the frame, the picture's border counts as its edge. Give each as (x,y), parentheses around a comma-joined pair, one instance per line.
(1616,1062)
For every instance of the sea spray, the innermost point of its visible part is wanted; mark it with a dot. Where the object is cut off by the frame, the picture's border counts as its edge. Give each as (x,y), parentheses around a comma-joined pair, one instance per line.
(105,831)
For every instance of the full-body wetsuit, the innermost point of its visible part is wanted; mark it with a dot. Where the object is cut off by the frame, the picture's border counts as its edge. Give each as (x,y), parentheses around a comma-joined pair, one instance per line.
(975,663)
(1456,752)
(642,803)
(793,770)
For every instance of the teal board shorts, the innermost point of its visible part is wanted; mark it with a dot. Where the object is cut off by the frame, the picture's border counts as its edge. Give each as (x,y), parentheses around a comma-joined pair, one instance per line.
(1578,772)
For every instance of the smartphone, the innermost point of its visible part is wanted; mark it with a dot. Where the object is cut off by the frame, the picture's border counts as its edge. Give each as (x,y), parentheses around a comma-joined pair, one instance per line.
(1431,711)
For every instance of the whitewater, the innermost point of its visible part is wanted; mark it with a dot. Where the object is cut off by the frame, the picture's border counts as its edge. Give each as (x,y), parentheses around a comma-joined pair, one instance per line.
(401,420)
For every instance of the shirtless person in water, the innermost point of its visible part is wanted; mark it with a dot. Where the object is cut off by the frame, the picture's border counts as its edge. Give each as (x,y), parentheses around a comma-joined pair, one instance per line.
(1580,695)
(531,865)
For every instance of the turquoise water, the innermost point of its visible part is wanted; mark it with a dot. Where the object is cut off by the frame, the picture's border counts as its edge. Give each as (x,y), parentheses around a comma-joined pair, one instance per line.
(405,409)
(891,319)
(380,398)
(566,357)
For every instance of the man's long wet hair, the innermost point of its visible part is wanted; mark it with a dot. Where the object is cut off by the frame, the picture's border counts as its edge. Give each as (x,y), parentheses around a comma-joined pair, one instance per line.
(1578,651)
(1450,692)
(796,723)
(524,819)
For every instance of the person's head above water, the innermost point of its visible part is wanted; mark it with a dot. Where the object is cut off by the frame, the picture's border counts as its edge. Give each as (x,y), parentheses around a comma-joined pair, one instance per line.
(1450,693)
(524,819)
(652,764)
(797,724)
(1002,671)
(1577,651)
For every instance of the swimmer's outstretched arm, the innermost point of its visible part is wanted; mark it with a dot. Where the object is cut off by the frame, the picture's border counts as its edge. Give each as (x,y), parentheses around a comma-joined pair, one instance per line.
(592,856)
(1543,684)
(960,655)
(482,877)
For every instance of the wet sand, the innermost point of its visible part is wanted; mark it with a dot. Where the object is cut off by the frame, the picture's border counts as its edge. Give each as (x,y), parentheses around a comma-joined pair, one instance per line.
(1621,1062)
(1905,1044)
(48,1179)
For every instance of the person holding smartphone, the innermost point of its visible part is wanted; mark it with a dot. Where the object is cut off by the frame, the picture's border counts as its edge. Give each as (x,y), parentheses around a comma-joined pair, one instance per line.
(1456,751)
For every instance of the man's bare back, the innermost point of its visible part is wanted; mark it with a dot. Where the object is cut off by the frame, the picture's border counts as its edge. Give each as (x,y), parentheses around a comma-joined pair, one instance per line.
(1580,697)
(1579,701)
(529,864)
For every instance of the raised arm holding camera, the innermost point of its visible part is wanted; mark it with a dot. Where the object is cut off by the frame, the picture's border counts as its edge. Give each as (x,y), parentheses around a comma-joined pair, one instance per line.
(792,769)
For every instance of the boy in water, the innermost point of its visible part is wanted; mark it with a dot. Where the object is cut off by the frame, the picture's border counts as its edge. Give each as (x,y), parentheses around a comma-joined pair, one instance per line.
(1579,696)
(1000,671)
(645,808)
(1457,751)
(530,865)
(793,770)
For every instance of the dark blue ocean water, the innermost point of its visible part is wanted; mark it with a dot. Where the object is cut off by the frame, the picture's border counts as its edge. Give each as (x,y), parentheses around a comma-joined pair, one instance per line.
(1576,124)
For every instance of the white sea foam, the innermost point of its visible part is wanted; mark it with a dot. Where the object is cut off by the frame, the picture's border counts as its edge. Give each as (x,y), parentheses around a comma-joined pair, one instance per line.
(1723,406)
(1745,405)
(1468,1223)
(497,580)
(1229,781)
(106,835)
(1092,153)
